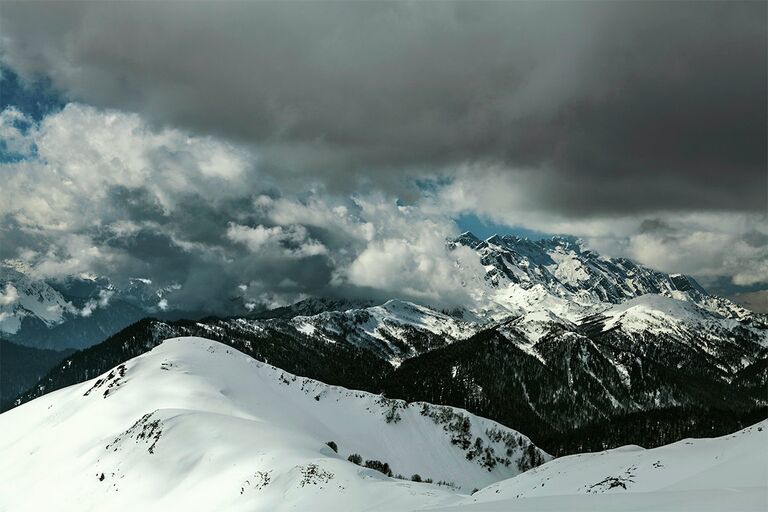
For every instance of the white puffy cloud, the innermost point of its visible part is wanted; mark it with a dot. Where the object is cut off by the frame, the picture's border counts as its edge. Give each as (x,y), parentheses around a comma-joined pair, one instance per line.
(707,246)
(105,192)
(290,241)
(94,170)
(83,153)
(255,238)
(9,295)
(416,267)
(101,302)
(12,137)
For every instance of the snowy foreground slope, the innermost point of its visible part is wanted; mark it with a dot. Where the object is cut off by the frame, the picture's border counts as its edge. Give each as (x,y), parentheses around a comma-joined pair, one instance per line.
(196,425)
(729,473)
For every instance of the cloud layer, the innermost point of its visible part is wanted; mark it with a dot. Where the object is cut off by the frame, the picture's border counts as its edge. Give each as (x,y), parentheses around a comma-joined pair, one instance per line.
(590,107)
(261,152)
(103,192)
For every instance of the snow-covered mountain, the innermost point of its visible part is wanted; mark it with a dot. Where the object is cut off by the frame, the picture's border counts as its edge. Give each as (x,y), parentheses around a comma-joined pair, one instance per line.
(542,288)
(197,425)
(557,338)
(394,330)
(194,424)
(22,297)
(559,274)
(558,277)
(72,312)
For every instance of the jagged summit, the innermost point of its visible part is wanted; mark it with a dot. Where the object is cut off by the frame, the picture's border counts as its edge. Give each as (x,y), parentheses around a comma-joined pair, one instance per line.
(469,239)
(566,268)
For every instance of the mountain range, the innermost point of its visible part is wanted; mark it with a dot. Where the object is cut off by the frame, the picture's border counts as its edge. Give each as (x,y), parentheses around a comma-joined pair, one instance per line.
(557,341)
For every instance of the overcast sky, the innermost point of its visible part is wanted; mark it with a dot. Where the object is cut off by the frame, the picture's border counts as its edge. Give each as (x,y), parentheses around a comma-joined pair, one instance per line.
(329,148)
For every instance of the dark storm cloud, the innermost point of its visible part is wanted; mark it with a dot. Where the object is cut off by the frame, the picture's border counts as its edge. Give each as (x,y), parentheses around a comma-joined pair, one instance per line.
(618,106)
(136,204)
(656,226)
(756,239)
(210,274)
(13,237)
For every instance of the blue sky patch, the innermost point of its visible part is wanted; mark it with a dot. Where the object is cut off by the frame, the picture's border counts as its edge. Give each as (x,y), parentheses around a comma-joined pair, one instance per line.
(483,227)
(35,99)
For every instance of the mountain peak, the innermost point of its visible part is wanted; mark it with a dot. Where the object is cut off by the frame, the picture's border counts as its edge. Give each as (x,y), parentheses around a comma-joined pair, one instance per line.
(566,240)
(467,238)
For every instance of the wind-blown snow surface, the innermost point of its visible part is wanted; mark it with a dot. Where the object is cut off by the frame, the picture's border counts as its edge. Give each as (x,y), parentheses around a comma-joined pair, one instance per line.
(196,425)
(729,473)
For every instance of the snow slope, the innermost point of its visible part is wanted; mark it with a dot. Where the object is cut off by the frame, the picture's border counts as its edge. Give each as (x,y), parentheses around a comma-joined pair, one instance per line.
(660,314)
(727,473)
(196,425)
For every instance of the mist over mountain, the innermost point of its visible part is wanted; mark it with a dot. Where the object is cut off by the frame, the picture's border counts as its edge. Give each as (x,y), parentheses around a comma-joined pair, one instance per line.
(500,277)
(556,339)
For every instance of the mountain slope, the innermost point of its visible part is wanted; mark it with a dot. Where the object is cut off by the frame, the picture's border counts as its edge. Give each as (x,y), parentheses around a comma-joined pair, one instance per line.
(21,368)
(76,331)
(395,330)
(23,298)
(571,377)
(196,424)
(726,473)
(558,276)
(559,339)
(569,381)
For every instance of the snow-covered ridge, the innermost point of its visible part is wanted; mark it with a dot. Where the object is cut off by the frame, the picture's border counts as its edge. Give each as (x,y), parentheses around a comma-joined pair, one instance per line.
(195,422)
(389,329)
(726,473)
(196,425)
